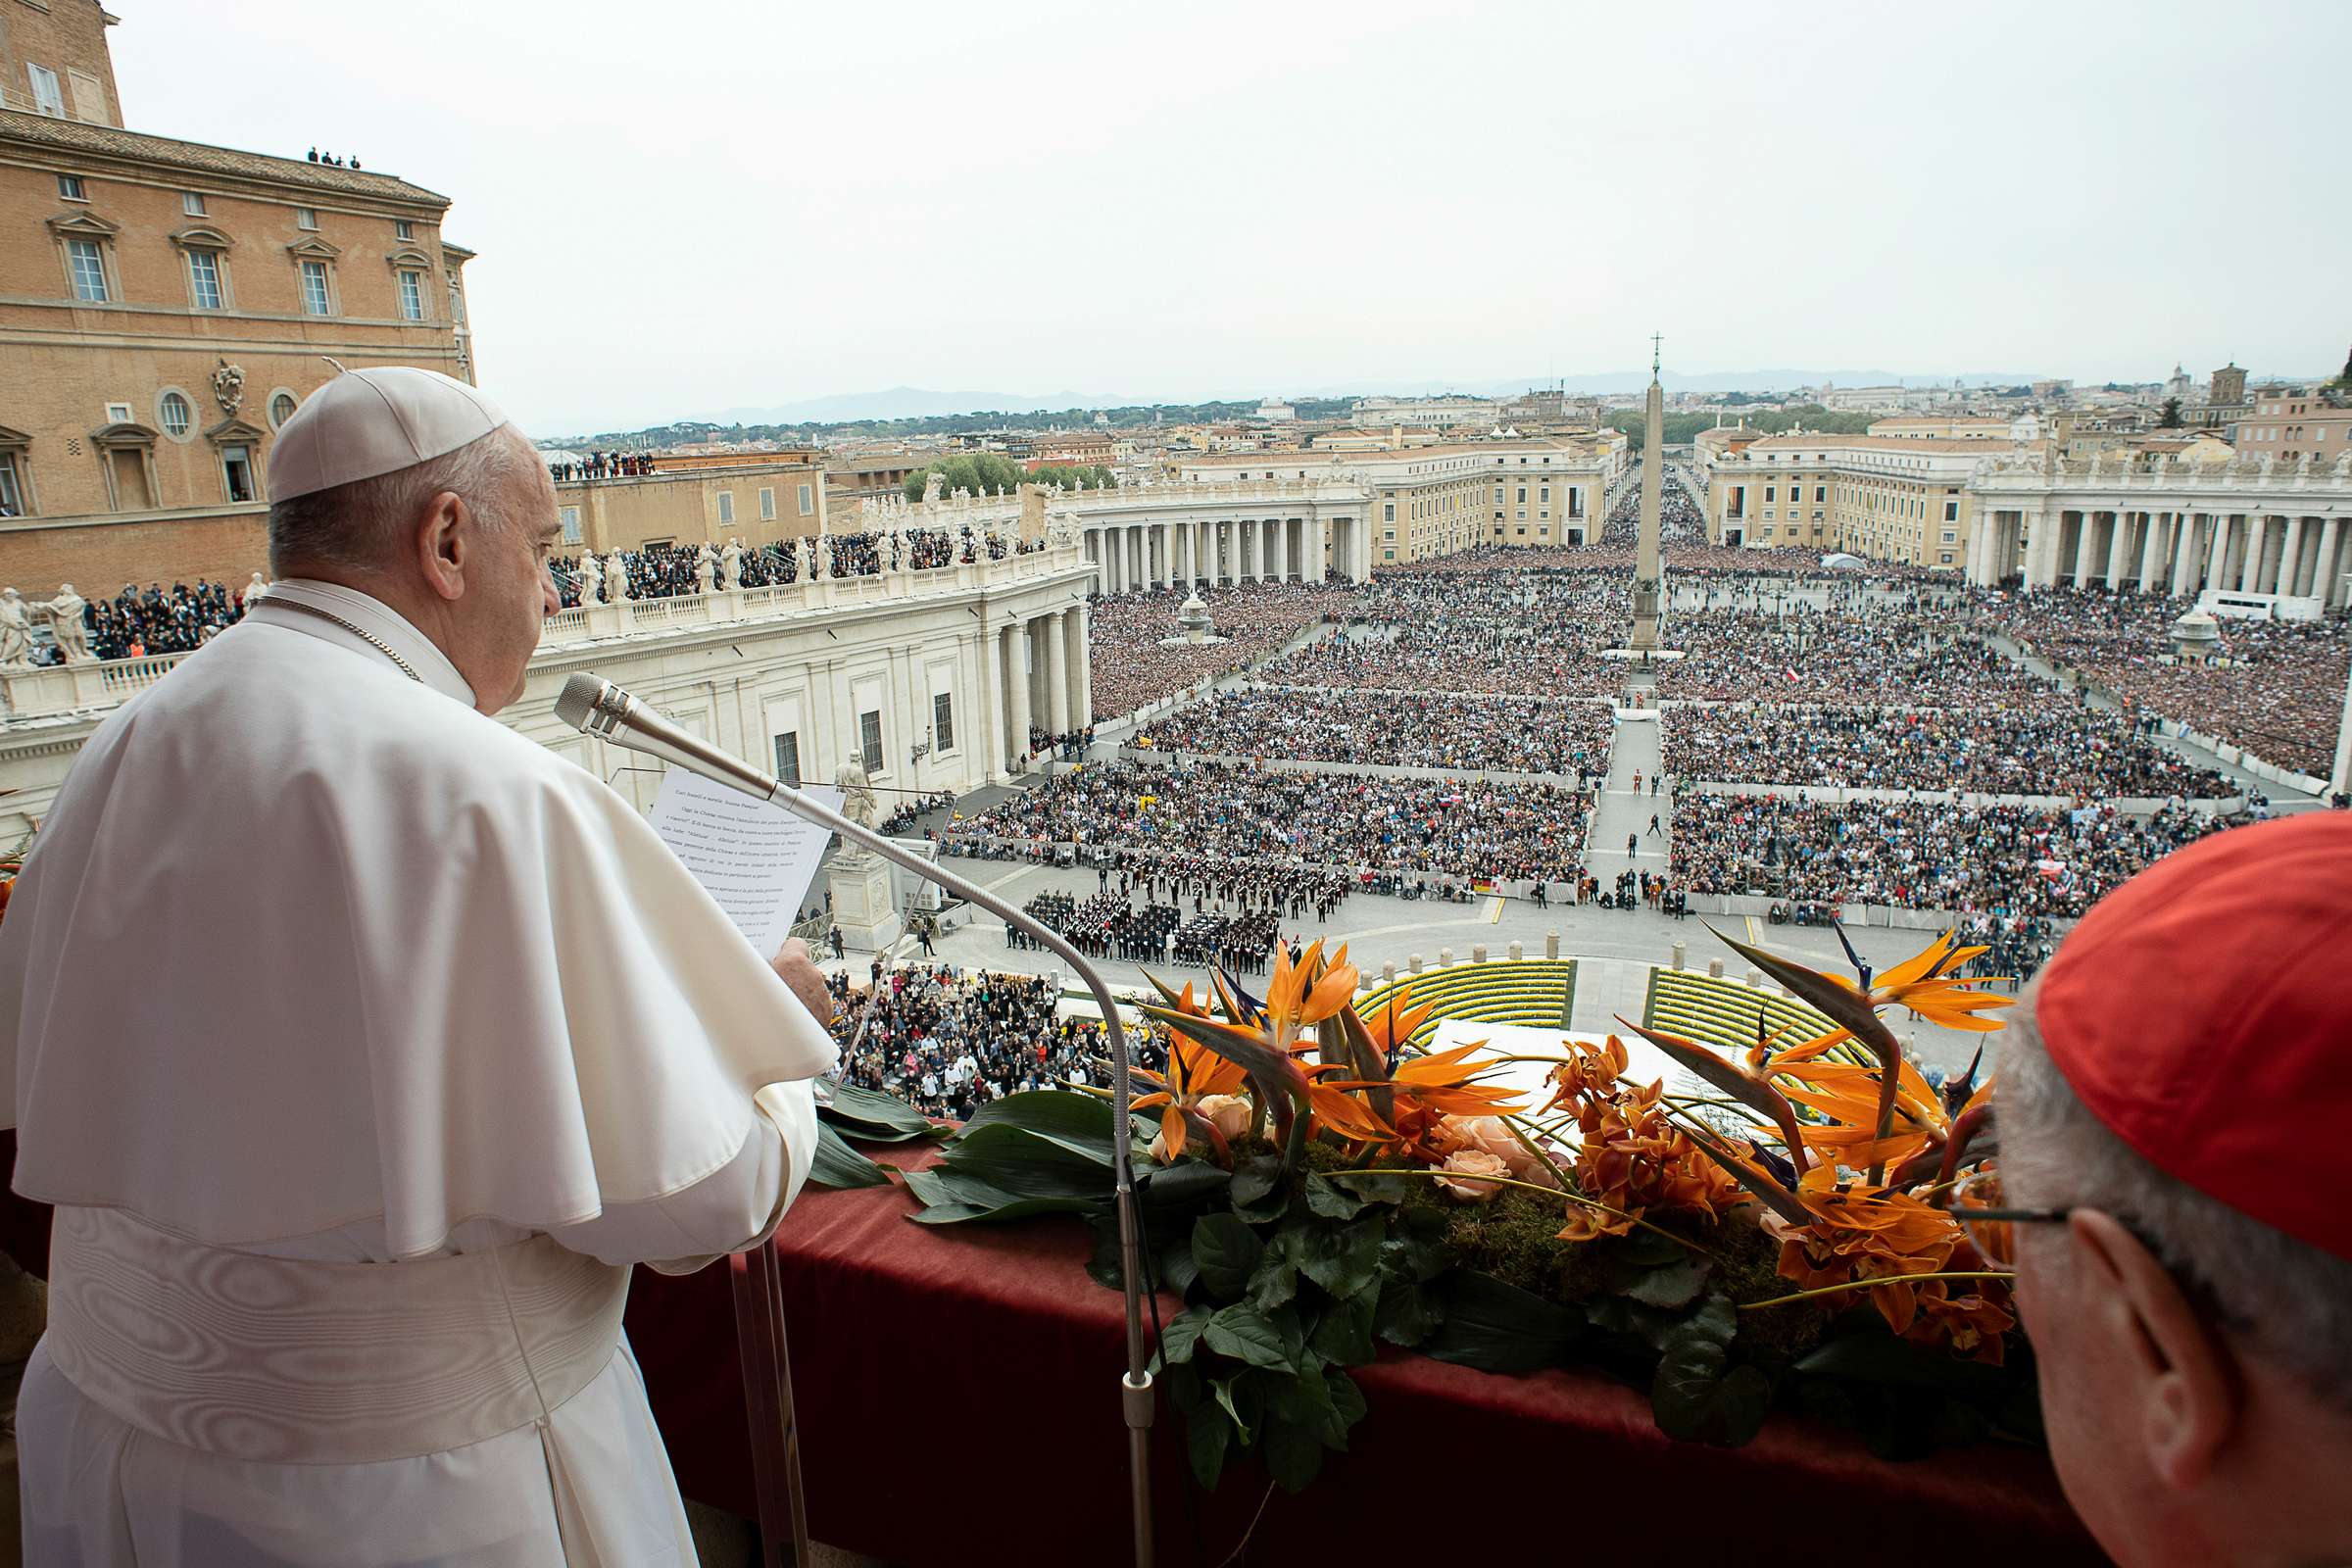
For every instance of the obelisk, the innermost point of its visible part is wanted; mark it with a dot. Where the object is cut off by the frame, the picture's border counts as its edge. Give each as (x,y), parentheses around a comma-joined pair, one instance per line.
(1647,570)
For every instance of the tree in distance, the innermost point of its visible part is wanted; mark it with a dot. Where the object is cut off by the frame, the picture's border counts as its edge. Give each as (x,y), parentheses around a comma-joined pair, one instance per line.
(985,472)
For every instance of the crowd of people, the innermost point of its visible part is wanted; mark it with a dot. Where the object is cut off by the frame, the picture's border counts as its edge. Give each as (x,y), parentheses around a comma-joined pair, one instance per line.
(2001,860)
(1402,729)
(604,466)
(1464,828)
(2276,687)
(1133,665)
(2058,747)
(140,621)
(948,1040)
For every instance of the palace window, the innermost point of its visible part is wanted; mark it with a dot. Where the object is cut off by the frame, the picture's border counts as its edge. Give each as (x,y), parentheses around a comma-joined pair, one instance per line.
(236,472)
(807,500)
(191,203)
(282,409)
(71,188)
(87,264)
(767,503)
(403,229)
(943,721)
(869,739)
(48,94)
(204,279)
(726,508)
(316,298)
(176,415)
(571,525)
(306,218)
(788,756)
(411,294)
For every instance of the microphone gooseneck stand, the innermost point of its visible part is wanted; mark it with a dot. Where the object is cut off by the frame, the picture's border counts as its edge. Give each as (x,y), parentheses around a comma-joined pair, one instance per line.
(595,707)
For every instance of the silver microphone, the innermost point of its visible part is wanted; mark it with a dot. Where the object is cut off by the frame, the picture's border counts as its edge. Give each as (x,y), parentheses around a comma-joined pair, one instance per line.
(595,707)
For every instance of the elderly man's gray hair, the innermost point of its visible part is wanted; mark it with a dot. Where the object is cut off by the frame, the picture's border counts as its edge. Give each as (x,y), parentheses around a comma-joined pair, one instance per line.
(2282,1297)
(353,526)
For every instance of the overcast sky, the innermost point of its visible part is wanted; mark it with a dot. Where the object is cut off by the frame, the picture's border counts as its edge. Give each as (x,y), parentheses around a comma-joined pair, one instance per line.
(690,206)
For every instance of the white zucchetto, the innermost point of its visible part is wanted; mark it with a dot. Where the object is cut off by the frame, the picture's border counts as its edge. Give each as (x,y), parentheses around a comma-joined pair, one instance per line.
(375,422)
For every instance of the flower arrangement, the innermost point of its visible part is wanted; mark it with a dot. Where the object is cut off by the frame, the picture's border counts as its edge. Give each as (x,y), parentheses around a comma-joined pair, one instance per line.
(1312,1187)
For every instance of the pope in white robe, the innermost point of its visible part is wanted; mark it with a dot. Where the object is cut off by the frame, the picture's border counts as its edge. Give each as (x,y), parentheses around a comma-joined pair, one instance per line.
(363,1045)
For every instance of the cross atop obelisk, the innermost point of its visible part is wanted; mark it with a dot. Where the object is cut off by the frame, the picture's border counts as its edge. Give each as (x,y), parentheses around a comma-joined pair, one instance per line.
(1647,570)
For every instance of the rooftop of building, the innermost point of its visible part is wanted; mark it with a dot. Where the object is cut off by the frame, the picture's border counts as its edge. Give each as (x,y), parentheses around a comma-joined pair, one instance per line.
(79,137)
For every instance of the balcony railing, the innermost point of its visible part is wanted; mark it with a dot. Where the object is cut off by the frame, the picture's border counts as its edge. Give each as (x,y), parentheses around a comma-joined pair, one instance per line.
(63,691)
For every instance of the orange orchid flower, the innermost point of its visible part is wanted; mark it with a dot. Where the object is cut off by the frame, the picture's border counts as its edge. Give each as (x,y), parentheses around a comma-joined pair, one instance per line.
(1922,983)
(1195,1072)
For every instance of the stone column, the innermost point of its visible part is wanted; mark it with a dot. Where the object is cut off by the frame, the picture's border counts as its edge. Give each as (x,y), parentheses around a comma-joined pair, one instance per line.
(1282,549)
(1058,673)
(2323,570)
(2084,532)
(2217,549)
(2290,557)
(1016,676)
(1082,674)
(2118,552)
(992,706)
(2249,557)
(2184,552)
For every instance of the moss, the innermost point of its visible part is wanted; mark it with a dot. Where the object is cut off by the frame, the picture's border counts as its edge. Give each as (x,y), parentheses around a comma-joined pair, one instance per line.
(1515,1238)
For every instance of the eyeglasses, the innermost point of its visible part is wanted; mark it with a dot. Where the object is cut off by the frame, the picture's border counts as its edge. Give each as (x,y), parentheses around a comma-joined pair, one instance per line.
(2202,1298)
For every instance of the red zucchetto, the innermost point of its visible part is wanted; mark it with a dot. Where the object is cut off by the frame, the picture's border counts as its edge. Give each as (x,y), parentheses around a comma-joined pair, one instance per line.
(2203,1012)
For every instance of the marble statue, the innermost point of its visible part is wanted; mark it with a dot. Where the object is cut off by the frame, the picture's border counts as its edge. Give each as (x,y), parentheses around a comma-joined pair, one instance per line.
(932,482)
(254,589)
(858,800)
(616,580)
(730,561)
(591,578)
(824,554)
(66,624)
(705,567)
(15,631)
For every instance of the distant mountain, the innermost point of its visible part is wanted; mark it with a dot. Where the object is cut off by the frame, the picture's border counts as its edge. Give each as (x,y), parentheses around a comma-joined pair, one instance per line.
(1611,383)
(908,403)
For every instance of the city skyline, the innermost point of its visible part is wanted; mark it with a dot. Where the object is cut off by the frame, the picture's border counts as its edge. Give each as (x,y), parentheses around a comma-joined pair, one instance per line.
(752,210)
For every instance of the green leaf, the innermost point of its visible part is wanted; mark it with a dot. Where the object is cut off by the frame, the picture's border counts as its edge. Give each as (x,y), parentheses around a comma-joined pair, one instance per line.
(1243,1333)
(1672,1287)
(1342,1258)
(1184,1185)
(1177,1270)
(1327,1201)
(1206,1433)
(1374,1186)
(1028,1164)
(1500,1328)
(1871,1354)
(1293,1453)
(1343,1334)
(1260,1188)
(1225,1251)
(1225,1402)
(1695,1399)
(1274,1281)
(1346,1407)
(1181,1332)
(1407,1314)
(836,1164)
(874,1117)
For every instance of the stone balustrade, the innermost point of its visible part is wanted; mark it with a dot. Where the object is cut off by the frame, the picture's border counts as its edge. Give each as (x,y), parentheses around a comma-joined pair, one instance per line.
(62,690)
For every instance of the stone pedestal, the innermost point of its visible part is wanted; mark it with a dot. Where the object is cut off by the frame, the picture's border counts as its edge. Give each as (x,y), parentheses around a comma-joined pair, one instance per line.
(861,907)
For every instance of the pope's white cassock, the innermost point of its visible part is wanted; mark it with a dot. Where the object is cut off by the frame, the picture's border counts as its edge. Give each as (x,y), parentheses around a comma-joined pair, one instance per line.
(363,1045)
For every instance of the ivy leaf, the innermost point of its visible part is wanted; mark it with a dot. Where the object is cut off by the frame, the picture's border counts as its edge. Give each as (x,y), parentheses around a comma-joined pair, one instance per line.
(1407,1312)
(1325,1202)
(1346,1407)
(1274,1281)
(1255,1180)
(1500,1328)
(1243,1333)
(1342,1258)
(1182,1333)
(1344,1333)
(1372,1186)
(1225,1251)
(1206,1433)
(1674,1286)
(1225,1402)
(1293,1453)
(1695,1399)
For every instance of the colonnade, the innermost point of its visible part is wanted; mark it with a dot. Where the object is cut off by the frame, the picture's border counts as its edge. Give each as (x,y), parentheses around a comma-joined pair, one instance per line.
(1036,673)
(2178,553)
(1226,551)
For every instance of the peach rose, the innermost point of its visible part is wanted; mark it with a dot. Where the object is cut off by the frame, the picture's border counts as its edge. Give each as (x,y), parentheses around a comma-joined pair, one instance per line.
(1229,1115)
(1492,1135)
(1472,1163)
